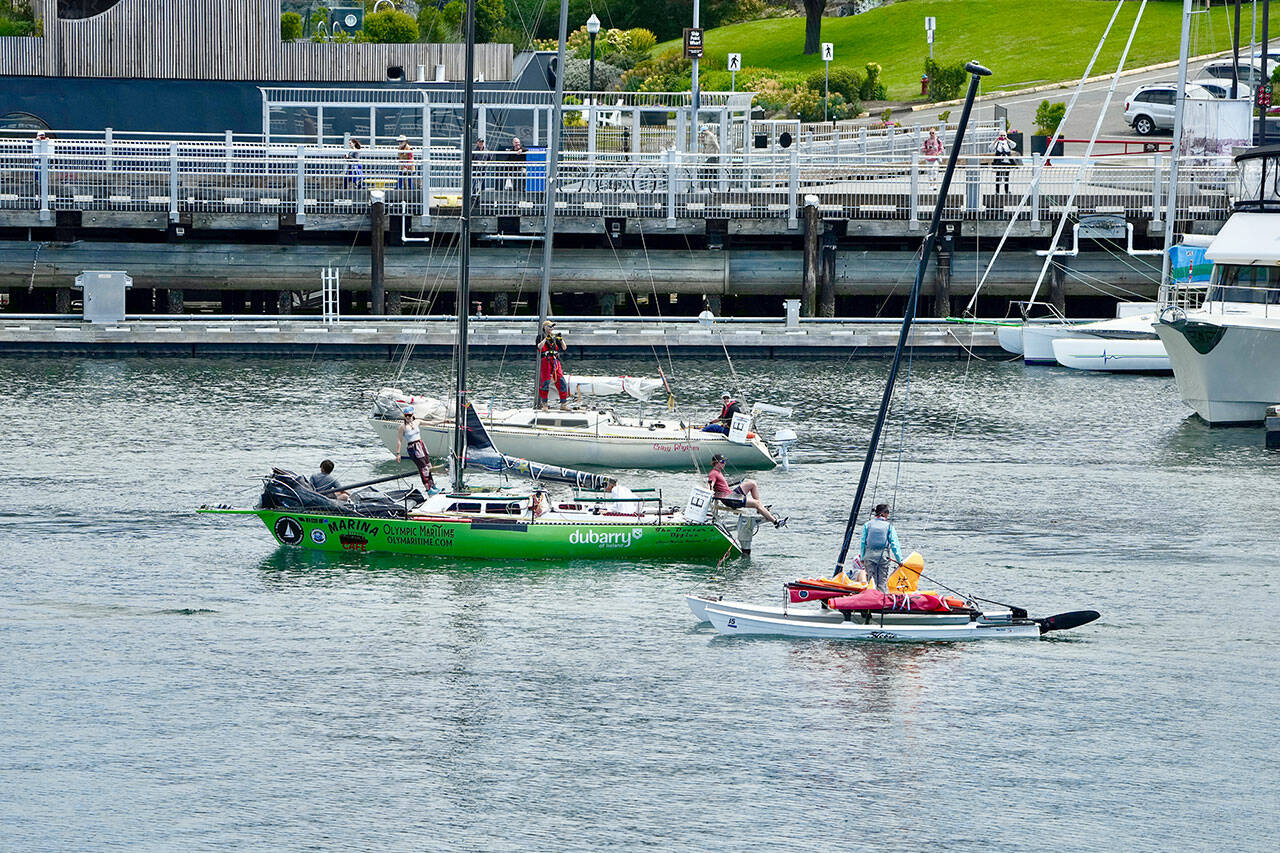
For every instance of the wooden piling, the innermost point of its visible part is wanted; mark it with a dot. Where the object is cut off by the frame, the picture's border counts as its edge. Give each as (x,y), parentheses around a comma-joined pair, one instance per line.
(377,256)
(812,234)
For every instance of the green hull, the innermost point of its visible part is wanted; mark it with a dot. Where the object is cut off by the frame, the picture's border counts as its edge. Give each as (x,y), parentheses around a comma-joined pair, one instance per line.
(500,540)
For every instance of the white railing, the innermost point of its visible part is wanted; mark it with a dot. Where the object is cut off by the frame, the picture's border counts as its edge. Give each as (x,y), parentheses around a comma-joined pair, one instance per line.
(230,176)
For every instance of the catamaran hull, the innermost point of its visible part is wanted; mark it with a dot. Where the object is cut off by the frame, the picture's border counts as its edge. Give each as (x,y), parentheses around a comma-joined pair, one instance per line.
(699,605)
(1112,355)
(653,449)
(729,623)
(499,540)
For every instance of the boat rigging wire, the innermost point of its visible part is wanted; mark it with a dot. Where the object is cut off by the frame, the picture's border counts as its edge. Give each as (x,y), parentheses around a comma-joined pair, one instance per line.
(1039,167)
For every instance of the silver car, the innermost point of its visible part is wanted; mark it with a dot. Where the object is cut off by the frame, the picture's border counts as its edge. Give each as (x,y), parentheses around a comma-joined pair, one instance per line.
(1150,107)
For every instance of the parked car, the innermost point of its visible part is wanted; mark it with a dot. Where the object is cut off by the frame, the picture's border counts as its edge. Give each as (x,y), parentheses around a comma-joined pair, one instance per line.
(1150,107)
(1248,71)
(1222,88)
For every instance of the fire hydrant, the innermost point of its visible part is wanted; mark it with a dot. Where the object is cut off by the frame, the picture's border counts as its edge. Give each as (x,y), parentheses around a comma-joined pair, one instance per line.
(924,84)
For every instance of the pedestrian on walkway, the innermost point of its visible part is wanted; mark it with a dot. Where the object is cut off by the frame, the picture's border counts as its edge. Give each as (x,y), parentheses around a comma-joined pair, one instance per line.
(1003,150)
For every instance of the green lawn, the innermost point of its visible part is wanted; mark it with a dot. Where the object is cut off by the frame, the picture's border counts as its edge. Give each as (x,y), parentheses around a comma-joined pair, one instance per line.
(1023,42)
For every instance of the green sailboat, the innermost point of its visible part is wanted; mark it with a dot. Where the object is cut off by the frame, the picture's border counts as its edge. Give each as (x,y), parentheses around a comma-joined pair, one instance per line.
(502,524)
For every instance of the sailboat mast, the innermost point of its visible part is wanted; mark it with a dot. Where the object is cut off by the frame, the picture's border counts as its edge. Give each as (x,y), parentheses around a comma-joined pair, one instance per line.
(1180,101)
(549,217)
(464,246)
(976,72)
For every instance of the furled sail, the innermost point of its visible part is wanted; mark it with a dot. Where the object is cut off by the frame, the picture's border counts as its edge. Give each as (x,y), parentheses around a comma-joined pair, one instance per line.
(640,387)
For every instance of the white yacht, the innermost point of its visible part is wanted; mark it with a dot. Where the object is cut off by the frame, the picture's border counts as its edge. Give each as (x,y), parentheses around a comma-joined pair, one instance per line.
(1224,341)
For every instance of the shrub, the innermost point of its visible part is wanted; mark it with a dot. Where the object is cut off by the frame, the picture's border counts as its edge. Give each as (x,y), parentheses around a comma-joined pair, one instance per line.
(391,26)
(290,26)
(871,88)
(1049,116)
(577,75)
(437,26)
(845,81)
(886,115)
(667,72)
(945,81)
(807,105)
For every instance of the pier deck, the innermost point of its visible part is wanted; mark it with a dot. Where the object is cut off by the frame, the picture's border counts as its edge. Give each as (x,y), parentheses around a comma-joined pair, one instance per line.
(197,336)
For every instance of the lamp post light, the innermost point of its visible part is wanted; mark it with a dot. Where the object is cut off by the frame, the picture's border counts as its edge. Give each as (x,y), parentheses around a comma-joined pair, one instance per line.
(593,27)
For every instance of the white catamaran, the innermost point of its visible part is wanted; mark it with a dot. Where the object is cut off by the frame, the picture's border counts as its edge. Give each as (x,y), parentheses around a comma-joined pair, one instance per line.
(851,611)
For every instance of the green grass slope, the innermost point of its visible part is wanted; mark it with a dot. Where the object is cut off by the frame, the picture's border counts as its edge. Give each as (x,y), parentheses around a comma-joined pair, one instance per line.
(1024,42)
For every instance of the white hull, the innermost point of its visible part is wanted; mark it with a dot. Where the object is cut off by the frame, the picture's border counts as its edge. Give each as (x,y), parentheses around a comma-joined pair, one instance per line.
(1236,380)
(699,605)
(727,622)
(617,445)
(1038,338)
(1112,355)
(1010,338)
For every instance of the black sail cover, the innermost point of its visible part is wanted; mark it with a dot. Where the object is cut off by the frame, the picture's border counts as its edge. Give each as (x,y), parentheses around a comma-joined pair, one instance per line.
(481,454)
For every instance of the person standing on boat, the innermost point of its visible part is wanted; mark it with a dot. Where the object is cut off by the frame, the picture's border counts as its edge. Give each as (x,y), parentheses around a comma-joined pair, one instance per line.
(728,408)
(746,493)
(409,437)
(879,539)
(550,371)
(327,484)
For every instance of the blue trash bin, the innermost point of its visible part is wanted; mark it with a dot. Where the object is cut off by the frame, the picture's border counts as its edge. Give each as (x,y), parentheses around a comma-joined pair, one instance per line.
(535,170)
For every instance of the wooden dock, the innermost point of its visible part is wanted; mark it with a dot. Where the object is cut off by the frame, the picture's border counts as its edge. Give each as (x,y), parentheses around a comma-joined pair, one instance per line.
(194,336)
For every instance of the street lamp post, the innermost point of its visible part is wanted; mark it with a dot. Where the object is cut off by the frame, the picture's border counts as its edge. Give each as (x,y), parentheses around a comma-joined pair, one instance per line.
(593,27)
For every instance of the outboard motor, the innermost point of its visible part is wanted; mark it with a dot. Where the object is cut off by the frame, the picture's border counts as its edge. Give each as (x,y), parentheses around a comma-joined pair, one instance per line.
(785,439)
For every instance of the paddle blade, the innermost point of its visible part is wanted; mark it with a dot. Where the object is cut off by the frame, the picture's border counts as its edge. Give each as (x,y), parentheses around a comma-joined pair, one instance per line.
(1067,621)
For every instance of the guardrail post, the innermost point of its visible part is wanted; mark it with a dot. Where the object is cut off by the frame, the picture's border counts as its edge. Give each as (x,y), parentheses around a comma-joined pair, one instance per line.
(671,155)
(682,130)
(426,164)
(1157,215)
(635,129)
(173,182)
(914,191)
(227,149)
(42,156)
(793,190)
(1035,191)
(972,187)
(107,134)
(300,213)
(591,132)
(862,140)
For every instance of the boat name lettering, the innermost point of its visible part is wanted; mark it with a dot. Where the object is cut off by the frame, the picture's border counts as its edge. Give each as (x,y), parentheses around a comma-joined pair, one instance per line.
(675,448)
(422,536)
(883,635)
(357,524)
(617,539)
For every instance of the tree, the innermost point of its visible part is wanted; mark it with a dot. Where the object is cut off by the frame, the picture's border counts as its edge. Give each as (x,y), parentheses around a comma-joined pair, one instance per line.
(490,16)
(290,26)
(391,27)
(813,25)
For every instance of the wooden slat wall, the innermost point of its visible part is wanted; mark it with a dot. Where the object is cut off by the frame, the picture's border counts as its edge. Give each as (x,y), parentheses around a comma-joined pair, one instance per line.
(24,56)
(219,40)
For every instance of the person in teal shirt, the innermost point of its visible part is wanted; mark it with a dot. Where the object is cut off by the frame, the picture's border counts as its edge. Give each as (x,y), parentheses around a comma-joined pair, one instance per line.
(879,540)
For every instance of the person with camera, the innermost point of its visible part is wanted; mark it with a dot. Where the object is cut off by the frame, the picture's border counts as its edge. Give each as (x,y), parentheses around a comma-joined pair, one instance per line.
(550,371)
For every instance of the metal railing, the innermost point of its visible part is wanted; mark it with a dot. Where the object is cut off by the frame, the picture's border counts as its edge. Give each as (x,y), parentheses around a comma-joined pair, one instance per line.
(180,177)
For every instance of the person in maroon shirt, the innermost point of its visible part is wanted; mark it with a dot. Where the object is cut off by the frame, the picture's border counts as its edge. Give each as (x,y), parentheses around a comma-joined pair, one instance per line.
(746,493)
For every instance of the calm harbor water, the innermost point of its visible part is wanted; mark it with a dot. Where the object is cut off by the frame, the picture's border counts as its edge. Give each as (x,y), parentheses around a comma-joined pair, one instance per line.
(173,681)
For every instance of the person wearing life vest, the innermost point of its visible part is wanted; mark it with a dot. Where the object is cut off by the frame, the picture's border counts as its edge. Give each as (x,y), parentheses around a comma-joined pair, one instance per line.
(728,408)
(550,371)
(878,540)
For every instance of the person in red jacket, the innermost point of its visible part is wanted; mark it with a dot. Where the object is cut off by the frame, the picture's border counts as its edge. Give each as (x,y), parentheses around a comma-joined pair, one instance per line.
(550,371)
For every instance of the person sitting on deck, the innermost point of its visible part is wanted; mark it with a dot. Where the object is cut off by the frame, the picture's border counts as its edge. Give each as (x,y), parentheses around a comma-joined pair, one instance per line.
(728,408)
(326,484)
(878,540)
(746,493)
(624,499)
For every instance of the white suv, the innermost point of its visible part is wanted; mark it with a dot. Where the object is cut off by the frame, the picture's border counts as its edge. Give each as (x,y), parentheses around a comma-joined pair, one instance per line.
(1150,107)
